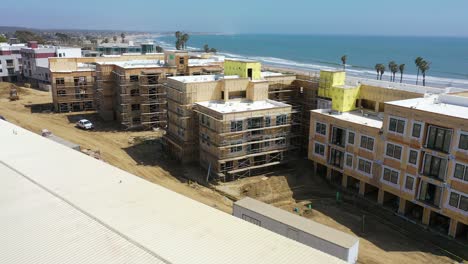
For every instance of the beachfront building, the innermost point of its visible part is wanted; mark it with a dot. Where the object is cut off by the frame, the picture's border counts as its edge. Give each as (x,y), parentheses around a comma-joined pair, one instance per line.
(11,65)
(36,61)
(397,145)
(123,48)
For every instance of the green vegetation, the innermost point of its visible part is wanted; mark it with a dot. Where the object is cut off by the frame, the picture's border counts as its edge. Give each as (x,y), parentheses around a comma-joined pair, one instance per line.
(106,40)
(122,36)
(393,67)
(380,68)
(418,61)
(207,49)
(343,61)
(3,39)
(24,36)
(114,38)
(159,49)
(424,66)
(181,40)
(401,68)
(64,38)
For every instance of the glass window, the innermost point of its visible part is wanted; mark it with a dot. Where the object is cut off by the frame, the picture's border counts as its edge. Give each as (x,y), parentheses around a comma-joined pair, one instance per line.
(367,143)
(267,121)
(236,126)
(439,138)
(390,176)
(349,160)
(434,167)
(463,203)
(319,149)
(416,130)
(397,125)
(413,157)
(281,120)
(463,144)
(393,151)
(364,166)
(351,138)
(409,183)
(453,201)
(320,128)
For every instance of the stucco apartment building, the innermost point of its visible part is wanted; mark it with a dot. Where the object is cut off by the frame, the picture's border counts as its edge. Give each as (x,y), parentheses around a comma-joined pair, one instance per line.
(11,65)
(404,147)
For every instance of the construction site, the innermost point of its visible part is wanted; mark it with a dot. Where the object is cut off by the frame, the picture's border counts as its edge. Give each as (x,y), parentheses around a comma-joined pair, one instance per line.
(384,237)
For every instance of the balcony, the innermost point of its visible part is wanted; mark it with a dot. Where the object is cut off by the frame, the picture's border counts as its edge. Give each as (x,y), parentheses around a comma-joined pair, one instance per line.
(430,194)
(336,158)
(338,137)
(439,139)
(435,167)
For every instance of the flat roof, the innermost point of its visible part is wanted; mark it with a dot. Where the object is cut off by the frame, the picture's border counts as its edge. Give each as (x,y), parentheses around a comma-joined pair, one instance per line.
(204,62)
(270,74)
(134,64)
(62,206)
(443,104)
(202,78)
(241,60)
(357,117)
(233,106)
(324,232)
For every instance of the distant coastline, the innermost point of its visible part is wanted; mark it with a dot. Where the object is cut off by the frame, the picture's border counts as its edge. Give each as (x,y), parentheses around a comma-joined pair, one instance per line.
(322,52)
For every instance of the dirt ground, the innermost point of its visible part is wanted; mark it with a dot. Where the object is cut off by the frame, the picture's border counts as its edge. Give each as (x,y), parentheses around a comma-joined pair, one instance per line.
(137,153)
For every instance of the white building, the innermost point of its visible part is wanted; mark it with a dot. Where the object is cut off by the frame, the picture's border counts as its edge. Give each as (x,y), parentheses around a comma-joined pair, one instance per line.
(10,62)
(61,206)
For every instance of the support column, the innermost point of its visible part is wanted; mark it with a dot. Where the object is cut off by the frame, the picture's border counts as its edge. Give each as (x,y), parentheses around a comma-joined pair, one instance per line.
(328,174)
(402,206)
(344,181)
(380,196)
(362,188)
(453,228)
(426,216)
(376,107)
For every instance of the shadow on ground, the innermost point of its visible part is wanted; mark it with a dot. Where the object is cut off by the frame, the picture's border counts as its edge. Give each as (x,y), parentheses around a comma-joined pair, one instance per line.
(45,108)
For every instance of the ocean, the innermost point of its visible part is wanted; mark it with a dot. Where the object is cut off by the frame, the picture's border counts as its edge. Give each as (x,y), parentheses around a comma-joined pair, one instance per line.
(448,55)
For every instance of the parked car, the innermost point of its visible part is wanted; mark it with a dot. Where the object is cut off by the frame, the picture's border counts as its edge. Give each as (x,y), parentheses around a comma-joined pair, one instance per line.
(85,124)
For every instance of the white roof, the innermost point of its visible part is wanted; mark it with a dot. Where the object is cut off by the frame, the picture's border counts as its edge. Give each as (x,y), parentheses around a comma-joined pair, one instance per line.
(269,74)
(139,64)
(202,78)
(204,62)
(62,206)
(443,104)
(357,117)
(234,106)
(324,232)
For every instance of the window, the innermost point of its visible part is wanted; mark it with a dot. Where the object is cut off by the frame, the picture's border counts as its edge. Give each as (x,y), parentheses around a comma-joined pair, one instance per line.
(461,172)
(267,121)
(457,200)
(280,141)
(397,125)
(236,126)
(463,144)
(416,132)
(133,78)
(393,151)
(413,157)
(434,166)
(251,219)
(281,120)
(182,60)
(236,149)
(367,143)
(135,107)
(136,120)
(320,128)
(319,149)
(390,175)
(336,158)
(255,122)
(364,166)
(351,138)
(409,183)
(439,138)
(349,160)
(60,81)
(338,136)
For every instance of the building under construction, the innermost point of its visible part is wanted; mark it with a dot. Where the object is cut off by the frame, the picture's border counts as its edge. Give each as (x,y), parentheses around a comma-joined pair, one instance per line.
(132,92)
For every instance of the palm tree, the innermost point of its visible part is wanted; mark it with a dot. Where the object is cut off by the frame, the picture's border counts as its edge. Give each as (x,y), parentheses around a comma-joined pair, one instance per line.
(206,48)
(402,69)
(382,70)
(185,37)
(418,61)
(177,34)
(114,38)
(424,66)
(106,40)
(213,50)
(377,69)
(123,37)
(343,61)
(393,67)
(159,49)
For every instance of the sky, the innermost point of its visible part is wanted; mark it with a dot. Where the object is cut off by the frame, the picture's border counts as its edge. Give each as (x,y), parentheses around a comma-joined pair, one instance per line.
(355,17)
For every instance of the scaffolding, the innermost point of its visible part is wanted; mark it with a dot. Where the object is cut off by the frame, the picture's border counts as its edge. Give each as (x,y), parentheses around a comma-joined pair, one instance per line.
(74,96)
